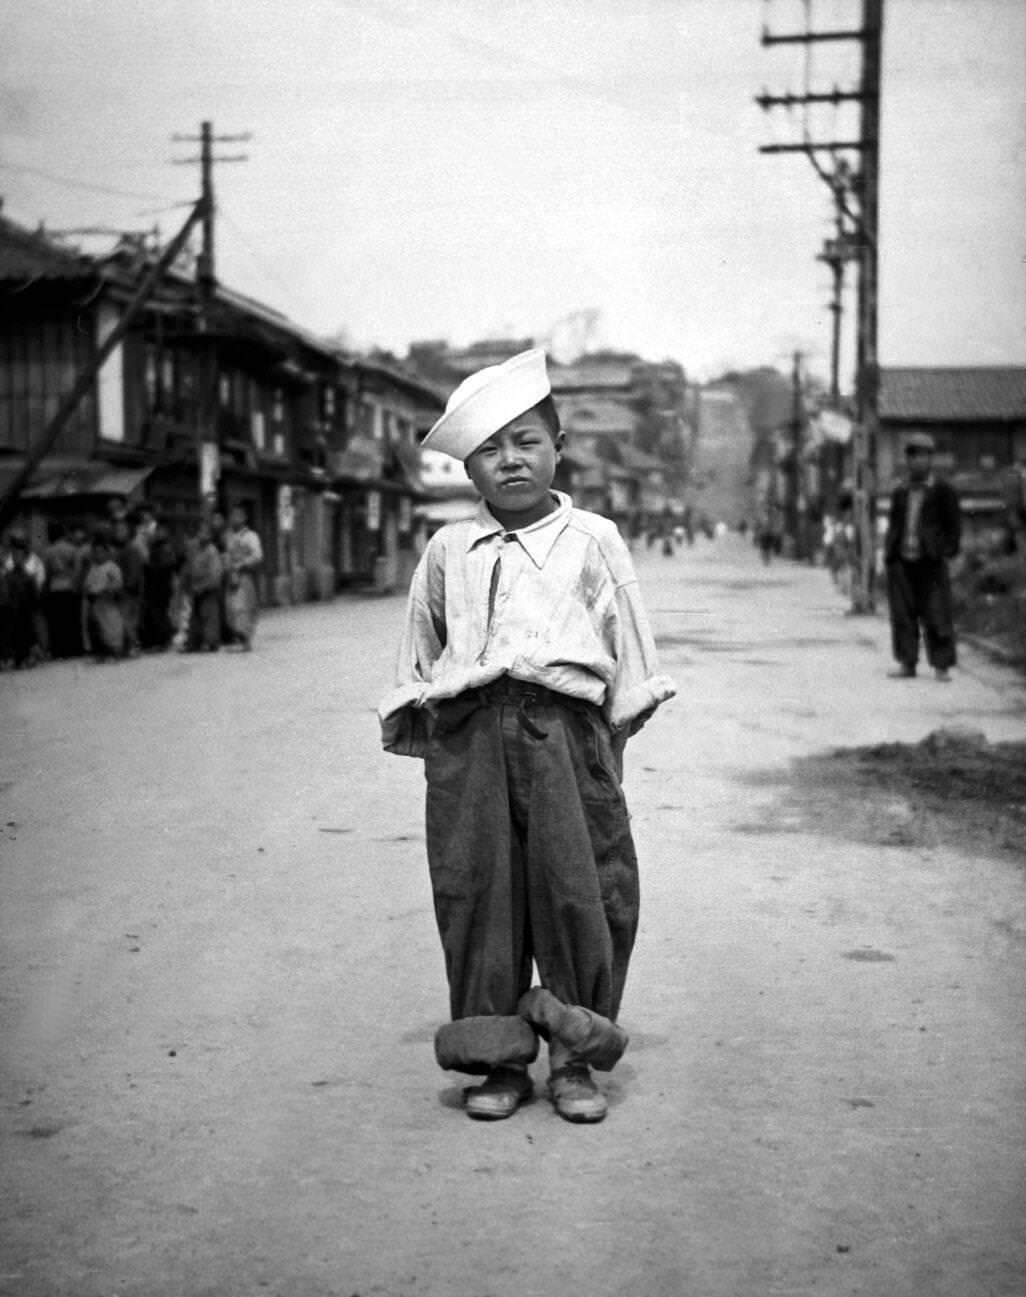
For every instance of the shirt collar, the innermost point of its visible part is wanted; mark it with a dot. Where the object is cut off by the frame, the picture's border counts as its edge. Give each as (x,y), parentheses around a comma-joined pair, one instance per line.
(537,540)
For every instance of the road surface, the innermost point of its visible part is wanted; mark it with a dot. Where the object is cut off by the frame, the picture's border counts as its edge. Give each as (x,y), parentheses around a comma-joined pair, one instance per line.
(220,982)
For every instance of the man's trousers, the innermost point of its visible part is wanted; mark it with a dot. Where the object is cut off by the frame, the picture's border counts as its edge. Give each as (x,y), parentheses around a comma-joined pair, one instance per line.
(531,860)
(919,594)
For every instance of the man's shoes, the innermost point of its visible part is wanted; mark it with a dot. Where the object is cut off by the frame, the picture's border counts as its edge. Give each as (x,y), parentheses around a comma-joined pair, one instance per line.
(499,1095)
(575,1095)
(903,672)
(942,675)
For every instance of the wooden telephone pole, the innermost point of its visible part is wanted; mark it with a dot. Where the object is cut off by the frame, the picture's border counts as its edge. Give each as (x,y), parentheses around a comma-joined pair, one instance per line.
(864,222)
(207,442)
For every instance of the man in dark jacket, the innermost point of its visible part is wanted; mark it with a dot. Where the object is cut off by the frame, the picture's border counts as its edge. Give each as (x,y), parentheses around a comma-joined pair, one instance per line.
(923,533)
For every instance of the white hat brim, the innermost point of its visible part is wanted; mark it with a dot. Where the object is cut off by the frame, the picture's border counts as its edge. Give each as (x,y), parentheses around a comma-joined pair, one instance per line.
(487,401)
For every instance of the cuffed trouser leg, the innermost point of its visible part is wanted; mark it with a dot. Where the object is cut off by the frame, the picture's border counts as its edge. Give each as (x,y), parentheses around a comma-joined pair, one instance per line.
(531,856)
(576,1032)
(936,615)
(478,1044)
(901,601)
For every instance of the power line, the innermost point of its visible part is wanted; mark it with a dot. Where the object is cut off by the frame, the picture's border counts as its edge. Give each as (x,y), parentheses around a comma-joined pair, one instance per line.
(73,183)
(258,258)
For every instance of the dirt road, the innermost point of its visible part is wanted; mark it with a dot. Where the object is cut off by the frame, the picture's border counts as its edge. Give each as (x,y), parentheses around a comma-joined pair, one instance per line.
(220,981)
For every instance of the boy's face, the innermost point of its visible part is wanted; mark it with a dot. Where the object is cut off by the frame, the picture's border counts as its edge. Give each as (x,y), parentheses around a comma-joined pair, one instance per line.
(514,468)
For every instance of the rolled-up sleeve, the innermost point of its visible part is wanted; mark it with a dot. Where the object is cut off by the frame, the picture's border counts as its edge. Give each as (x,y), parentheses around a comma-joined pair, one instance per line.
(637,687)
(404,723)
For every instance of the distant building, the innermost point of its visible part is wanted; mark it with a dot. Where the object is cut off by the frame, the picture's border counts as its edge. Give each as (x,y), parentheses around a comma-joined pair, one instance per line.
(624,420)
(722,480)
(976,416)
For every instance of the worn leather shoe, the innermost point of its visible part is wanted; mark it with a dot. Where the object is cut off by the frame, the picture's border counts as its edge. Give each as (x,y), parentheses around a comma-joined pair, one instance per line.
(902,673)
(575,1096)
(499,1095)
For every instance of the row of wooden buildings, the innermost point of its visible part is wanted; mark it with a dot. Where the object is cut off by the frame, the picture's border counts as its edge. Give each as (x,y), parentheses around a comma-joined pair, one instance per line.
(212,400)
(204,405)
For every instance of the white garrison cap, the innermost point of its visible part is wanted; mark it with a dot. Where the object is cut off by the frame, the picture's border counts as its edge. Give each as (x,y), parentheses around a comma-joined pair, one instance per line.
(486,401)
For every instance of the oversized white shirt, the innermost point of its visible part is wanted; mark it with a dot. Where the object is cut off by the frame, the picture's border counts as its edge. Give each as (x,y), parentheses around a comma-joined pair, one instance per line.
(564,611)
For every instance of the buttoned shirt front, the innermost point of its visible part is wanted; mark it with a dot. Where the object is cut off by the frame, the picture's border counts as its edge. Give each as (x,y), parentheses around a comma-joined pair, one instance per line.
(911,546)
(555,604)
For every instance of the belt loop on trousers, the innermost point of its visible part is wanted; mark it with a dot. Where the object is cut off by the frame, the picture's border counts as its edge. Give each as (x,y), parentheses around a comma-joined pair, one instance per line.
(521,694)
(526,722)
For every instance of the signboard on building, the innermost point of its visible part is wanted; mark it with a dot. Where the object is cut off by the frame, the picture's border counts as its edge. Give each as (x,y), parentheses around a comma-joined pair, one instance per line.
(286,509)
(210,468)
(405,513)
(373,510)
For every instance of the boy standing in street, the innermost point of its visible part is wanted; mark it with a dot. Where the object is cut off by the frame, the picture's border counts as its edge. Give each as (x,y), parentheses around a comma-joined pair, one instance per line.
(526,663)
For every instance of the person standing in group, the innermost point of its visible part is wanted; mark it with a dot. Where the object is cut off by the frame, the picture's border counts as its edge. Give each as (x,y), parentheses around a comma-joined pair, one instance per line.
(23,598)
(63,600)
(526,663)
(129,559)
(83,548)
(923,533)
(205,578)
(156,630)
(103,589)
(243,557)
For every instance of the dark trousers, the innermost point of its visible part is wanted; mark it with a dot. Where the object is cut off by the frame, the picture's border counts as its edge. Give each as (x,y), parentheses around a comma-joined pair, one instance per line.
(919,595)
(205,621)
(64,618)
(530,853)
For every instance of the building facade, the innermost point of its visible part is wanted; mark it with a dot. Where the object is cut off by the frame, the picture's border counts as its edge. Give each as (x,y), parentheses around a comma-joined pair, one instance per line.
(203,405)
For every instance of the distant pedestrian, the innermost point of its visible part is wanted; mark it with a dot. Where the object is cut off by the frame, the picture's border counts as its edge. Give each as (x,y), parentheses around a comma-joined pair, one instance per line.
(103,589)
(156,630)
(526,663)
(36,569)
(6,610)
(23,598)
(243,557)
(767,542)
(83,547)
(129,557)
(63,601)
(205,583)
(923,533)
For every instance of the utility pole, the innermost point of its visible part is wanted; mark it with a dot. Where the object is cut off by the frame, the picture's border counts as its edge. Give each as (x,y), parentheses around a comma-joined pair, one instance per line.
(864,222)
(837,252)
(867,368)
(796,492)
(207,442)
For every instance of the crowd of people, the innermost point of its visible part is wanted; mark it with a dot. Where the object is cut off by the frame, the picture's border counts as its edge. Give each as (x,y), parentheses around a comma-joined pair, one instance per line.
(128,586)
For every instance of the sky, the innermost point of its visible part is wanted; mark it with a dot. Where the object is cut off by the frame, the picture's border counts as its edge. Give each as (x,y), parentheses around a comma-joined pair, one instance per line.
(463,169)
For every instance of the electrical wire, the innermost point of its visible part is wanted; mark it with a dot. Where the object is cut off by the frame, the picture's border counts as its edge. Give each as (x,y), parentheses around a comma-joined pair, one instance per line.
(393,13)
(257,257)
(84,184)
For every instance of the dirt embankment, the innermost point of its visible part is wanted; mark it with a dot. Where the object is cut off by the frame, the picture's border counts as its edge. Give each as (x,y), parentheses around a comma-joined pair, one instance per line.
(990,605)
(953,787)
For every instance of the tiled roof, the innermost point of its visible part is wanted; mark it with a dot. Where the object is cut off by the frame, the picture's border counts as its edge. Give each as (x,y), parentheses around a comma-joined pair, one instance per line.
(593,374)
(31,254)
(600,415)
(997,393)
(639,461)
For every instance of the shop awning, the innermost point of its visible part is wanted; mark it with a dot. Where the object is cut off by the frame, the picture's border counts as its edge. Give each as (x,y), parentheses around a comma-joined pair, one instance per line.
(94,478)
